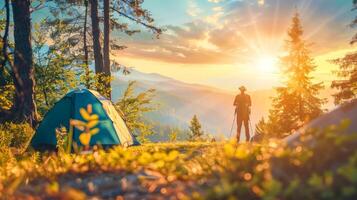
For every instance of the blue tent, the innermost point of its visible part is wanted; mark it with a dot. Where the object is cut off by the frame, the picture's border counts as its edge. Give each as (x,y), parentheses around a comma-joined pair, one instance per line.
(112,128)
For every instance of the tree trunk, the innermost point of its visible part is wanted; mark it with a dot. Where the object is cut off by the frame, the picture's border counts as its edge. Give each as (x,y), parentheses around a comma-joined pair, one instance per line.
(85,46)
(24,108)
(98,57)
(106,47)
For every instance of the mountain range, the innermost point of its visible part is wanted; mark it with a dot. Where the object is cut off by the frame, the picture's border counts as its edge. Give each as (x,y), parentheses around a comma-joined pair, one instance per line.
(179,101)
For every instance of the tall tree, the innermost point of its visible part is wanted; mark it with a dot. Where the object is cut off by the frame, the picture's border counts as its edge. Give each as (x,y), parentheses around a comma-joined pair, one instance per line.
(98,56)
(106,48)
(298,101)
(347,83)
(72,21)
(196,132)
(113,13)
(85,47)
(24,108)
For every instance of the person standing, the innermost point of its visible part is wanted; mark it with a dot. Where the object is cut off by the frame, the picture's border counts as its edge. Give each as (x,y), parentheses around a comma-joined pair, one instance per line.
(243,104)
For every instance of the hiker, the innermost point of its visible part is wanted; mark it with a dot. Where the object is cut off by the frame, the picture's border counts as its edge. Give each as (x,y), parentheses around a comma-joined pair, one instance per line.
(242,103)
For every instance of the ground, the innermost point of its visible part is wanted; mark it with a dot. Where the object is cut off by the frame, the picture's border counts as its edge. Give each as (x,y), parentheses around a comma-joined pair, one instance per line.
(188,170)
(117,181)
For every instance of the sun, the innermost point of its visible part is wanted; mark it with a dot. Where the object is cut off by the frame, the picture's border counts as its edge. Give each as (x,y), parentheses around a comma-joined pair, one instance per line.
(267,63)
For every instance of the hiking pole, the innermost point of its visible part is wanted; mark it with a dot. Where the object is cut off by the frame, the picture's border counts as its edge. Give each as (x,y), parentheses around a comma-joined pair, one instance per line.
(251,129)
(234,119)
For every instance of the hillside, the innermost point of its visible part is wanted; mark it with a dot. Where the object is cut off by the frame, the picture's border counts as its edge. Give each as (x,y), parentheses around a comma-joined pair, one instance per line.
(179,101)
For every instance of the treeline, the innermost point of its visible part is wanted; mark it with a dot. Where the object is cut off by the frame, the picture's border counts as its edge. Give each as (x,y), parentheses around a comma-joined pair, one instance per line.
(298,102)
(54,53)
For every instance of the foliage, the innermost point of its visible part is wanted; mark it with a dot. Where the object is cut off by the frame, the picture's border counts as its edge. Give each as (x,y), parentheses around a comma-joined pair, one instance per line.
(173,135)
(196,132)
(6,96)
(297,102)
(347,85)
(354,22)
(7,89)
(62,139)
(323,169)
(132,108)
(260,130)
(101,82)
(176,134)
(70,14)
(55,65)
(88,127)
(73,14)
(168,133)
(15,135)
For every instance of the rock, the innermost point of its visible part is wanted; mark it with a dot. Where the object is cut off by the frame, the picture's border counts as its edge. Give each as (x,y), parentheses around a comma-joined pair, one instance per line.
(283,169)
(347,111)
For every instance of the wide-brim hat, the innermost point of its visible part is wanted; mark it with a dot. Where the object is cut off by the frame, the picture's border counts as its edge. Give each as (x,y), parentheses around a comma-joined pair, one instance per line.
(242,88)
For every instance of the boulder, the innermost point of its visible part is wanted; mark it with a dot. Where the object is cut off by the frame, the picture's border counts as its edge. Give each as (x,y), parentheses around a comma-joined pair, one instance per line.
(347,111)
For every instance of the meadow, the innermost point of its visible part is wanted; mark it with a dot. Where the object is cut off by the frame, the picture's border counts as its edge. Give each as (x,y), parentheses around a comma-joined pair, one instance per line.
(184,170)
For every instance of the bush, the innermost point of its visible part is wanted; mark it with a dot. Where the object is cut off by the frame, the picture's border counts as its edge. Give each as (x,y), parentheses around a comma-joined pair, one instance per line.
(15,135)
(132,108)
(14,138)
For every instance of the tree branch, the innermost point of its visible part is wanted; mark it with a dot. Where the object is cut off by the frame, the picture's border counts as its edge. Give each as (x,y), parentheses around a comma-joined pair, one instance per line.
(151,27)
(38,7)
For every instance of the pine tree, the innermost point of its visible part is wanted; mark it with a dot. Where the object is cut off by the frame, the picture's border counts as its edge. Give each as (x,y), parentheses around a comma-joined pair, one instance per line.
(297,102)
(347,84)
(196,132)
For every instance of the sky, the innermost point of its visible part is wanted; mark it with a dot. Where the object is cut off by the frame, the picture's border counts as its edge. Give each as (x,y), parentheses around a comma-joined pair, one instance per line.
(228,43)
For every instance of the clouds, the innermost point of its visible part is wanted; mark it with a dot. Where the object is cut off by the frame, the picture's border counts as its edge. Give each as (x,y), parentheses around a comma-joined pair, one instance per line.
(193,9)
(188,44)
(215,1)
(231,31)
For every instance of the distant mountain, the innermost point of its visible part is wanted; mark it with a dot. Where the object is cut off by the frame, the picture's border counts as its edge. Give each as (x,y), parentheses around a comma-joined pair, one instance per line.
(179,101)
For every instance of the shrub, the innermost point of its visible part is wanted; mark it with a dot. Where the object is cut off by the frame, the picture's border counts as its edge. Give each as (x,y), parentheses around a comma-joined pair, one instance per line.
(15,135)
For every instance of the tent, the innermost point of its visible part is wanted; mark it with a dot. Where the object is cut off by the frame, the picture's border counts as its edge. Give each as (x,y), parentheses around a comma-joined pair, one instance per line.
(112,128)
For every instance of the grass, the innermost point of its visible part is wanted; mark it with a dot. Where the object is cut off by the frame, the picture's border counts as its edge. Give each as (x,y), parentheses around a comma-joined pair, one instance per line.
(190,170)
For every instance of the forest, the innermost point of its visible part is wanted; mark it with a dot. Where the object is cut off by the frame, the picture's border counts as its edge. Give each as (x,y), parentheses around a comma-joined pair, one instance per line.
(64,136)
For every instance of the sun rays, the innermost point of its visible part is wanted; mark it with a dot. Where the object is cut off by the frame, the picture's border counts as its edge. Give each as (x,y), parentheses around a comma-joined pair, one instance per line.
(242,43)
(264,39)
(267,63)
